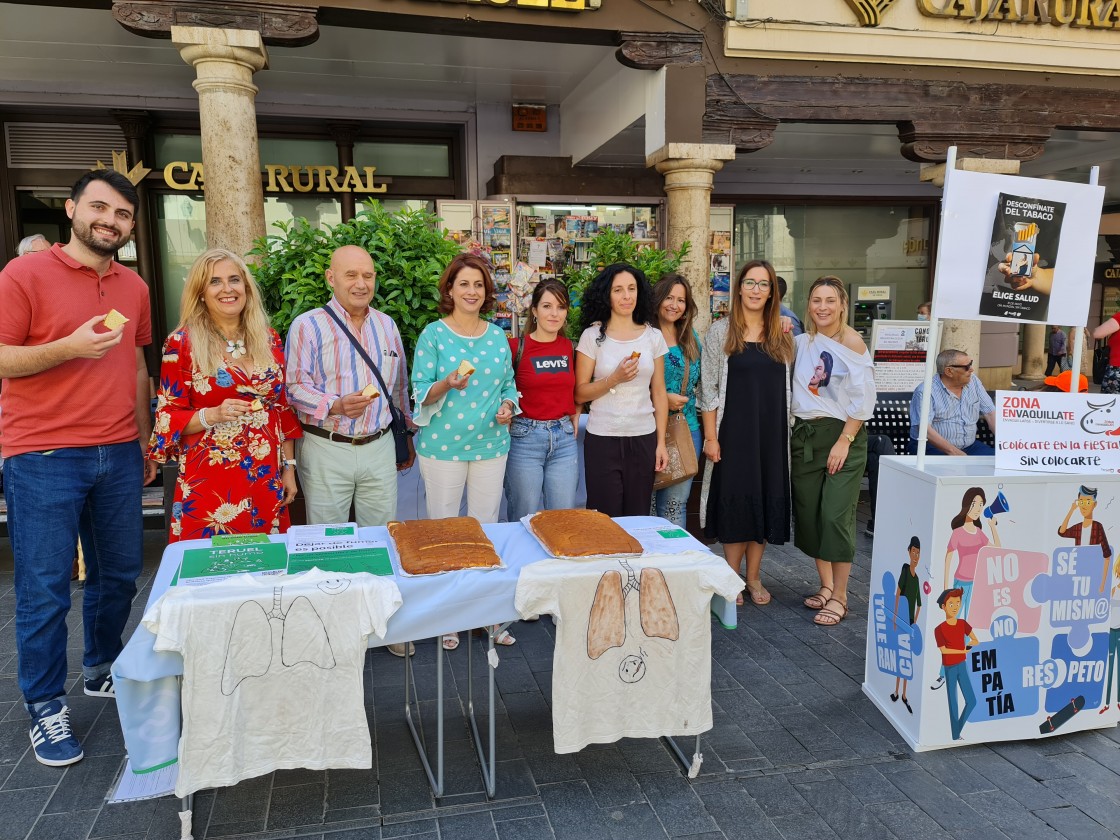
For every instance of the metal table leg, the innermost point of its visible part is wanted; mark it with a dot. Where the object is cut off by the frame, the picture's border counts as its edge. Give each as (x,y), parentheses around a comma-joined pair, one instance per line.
(186,812)
(489,775)
(691,765)
(416,726)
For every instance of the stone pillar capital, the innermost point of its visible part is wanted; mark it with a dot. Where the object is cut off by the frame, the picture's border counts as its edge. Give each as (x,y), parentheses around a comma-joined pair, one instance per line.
(680,157)
(221,57)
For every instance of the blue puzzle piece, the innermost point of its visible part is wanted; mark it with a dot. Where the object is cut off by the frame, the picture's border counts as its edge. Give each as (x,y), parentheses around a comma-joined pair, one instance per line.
(1078,674)
(897,642)
(1073,590)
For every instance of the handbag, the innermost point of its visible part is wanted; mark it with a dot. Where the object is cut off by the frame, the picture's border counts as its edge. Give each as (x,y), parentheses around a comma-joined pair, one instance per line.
(398,424)
(682,464)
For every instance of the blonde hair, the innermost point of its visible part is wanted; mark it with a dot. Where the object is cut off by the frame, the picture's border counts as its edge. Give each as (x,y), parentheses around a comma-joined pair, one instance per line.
(776,343)
(832,282)
(207,343)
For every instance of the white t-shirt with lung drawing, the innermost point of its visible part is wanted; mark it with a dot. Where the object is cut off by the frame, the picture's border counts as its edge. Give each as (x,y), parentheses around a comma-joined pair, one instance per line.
(272,672)
(633,647)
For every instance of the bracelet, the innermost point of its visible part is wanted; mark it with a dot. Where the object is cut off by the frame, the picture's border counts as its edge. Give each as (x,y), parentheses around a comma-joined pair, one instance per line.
(202,420)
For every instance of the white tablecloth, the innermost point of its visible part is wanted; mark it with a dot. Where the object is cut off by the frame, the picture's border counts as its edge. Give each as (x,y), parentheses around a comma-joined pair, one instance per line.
(147,685)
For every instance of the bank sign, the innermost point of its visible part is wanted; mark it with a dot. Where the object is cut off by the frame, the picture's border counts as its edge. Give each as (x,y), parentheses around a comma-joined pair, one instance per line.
(1089,14)
(181,175)
(1057,432)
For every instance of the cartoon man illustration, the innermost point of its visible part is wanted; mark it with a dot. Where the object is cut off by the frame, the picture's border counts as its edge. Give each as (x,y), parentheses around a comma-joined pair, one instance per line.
(954,639)
(1113,642)
(909,587)
(1086,503)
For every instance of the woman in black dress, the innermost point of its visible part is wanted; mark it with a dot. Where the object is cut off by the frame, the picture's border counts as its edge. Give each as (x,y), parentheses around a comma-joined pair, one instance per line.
(744,376)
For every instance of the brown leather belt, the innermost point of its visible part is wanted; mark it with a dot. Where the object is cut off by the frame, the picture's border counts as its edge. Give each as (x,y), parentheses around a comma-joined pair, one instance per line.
(340,438)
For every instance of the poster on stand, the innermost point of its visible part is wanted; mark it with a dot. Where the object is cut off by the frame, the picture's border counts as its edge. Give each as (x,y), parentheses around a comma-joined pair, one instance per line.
(1057,432)
(1017,249)
(898,351)
(996,618)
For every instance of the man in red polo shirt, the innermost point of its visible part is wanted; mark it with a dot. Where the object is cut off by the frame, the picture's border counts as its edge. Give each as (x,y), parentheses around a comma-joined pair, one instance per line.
(76,416)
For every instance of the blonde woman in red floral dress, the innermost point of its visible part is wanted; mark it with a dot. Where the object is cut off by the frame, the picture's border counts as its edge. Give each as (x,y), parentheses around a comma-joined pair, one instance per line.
(222,410)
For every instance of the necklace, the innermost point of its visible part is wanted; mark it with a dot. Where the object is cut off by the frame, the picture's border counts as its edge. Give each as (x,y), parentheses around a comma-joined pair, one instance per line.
(235,348)
(838,332)
(472,333)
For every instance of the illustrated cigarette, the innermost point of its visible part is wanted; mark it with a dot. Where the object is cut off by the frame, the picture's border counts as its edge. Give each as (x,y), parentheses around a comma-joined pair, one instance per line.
(1027,233)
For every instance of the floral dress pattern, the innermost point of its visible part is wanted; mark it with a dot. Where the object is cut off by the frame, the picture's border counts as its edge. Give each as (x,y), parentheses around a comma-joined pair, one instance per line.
(229,476)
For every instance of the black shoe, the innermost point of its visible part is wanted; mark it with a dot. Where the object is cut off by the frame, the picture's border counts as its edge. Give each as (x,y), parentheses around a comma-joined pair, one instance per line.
(894,698)
(907,705)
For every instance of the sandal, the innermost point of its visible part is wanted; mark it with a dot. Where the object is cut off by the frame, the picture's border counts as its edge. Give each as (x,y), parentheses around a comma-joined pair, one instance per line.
(817,601)
(451,641)
(505,638)
(830,618)
(739,603)
(759,596)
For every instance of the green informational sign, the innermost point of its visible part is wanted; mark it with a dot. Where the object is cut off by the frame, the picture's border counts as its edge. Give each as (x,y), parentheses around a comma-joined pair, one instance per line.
(673,533)
(239,539)
(373,560)
(223,561)
(341,531)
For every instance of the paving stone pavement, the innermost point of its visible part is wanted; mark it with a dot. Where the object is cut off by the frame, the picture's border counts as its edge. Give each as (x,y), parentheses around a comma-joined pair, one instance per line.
(797,751)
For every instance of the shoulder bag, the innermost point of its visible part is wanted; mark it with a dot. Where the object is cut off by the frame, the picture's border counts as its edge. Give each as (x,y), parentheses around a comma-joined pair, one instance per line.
(682,463)
(399,424)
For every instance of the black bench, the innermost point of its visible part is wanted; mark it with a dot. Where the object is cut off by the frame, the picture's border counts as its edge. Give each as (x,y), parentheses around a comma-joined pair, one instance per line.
(892,418)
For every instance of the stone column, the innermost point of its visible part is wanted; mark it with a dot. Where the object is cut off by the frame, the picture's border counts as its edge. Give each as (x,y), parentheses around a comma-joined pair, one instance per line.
(344,135)
(1035,339)
(689,170)
(225,61)
(965,335)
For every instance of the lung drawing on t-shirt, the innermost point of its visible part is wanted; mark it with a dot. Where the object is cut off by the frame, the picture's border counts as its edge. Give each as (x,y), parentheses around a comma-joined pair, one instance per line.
(606,623)
(297,634)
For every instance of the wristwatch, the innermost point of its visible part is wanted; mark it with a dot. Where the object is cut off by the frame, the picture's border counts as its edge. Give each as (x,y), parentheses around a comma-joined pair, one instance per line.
(289,462)
(851,438)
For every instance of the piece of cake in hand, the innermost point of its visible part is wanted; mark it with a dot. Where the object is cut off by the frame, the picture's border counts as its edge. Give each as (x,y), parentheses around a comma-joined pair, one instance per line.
(114,319)
(635,356)
(465,368)
(256,405)
(370,391)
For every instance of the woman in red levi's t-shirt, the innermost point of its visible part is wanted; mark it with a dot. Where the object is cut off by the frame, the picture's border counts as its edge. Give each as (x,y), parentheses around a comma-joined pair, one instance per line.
(543,465)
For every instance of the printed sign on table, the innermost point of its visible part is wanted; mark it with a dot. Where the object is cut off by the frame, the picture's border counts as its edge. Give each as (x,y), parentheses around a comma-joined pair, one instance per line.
(898,349)
(1057,432)
(1017,249)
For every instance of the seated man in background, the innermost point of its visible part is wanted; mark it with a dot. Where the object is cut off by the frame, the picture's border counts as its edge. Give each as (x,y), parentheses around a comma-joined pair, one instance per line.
(957,402)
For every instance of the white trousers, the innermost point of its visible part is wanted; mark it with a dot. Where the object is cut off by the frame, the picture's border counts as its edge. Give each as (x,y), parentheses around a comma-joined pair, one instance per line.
(334,474)
(444,482)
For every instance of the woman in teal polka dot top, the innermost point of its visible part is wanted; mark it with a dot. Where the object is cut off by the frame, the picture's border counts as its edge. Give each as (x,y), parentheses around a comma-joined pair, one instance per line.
(464,416)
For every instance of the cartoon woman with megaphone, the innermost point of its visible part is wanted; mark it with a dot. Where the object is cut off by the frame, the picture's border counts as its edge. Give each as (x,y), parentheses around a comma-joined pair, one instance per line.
(967,539)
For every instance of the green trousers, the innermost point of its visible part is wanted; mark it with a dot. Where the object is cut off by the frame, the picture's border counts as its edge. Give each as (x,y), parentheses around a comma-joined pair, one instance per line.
(824,506)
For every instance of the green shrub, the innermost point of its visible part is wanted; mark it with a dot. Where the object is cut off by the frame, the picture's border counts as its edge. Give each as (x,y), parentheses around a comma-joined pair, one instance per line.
(610,247)
(408,248)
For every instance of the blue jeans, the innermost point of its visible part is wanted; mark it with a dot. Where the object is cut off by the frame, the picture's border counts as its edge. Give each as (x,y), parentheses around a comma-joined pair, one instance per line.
(957,675)
(52,497)
(966,598)
(977,447)
(542,470)
(672,502)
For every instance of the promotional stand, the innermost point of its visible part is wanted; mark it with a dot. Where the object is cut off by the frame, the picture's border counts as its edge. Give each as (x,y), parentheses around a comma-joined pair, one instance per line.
(993,589)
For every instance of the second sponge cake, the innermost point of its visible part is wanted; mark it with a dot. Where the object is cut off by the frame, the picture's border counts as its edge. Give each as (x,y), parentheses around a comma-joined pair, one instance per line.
(581,533)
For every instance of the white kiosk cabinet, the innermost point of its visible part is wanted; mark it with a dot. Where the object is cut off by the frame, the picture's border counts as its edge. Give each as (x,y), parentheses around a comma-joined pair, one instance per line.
(1043,608)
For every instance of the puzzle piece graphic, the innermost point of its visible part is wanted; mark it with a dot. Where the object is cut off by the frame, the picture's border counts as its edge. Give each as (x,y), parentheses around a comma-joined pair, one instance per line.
(1003,576)
(1003,674)
(1075,596)
(897,642)
(1078,674)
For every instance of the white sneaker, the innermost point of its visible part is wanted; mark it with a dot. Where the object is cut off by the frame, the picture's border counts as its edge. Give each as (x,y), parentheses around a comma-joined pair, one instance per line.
(940,681)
